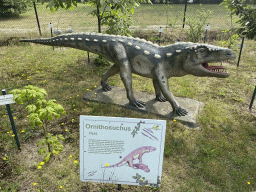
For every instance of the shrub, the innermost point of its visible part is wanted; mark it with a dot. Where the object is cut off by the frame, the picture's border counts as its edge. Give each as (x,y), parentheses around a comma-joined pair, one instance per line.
(12,8)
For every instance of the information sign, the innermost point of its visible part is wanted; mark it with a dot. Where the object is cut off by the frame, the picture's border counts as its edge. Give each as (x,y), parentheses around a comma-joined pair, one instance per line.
(6,99)
(121,150)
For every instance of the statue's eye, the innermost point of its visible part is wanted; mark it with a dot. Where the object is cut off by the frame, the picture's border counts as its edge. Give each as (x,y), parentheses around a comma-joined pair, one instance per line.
(201,50)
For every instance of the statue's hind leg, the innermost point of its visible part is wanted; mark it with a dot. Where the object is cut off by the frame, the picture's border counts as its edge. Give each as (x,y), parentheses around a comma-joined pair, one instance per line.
(112,71)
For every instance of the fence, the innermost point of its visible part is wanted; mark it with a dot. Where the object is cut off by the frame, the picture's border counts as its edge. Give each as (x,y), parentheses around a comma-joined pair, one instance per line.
(146,17)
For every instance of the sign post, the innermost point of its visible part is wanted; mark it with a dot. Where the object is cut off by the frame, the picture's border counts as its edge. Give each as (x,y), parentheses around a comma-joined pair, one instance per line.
(6,100)
(38,24)
(121,150)
(253,97)
(185,10)
(241,48)
(207,27)
(51,26)
(160,30)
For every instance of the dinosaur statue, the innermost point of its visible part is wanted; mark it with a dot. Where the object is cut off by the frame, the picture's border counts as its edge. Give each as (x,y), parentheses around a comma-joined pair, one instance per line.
(136,154)
(134,55)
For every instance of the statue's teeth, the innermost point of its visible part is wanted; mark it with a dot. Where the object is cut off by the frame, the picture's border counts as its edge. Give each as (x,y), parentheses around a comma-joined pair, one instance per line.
(146,52)
(113,40)
(121,40)
(168,54)
(104,41)
(87,39)
(129,43)
(156,45)
(79,39)
(157,56)
(66,39)
(95,40)
(72,39)
(178,51)
(137,47)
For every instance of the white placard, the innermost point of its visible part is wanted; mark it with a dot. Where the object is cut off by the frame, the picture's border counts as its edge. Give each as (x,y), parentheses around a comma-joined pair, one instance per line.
(6,99)
(161,29)
(207,27)
(50,25)
(121,150)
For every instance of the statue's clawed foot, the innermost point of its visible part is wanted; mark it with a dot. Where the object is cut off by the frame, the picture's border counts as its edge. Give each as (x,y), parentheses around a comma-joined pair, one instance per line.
(105,86)
(180,112)
(138,104)
(160,98)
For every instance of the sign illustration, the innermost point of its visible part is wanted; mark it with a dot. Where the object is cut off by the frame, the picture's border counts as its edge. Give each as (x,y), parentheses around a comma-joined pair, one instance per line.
(121,150)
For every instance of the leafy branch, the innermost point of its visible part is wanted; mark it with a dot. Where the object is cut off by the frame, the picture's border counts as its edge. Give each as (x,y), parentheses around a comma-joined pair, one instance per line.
(40,113)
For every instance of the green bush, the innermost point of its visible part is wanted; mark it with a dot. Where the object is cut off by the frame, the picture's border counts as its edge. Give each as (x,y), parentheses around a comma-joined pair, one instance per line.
(197,24)
(12,7)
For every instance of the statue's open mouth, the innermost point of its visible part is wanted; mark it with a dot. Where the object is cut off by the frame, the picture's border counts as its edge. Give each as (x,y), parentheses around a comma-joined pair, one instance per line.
(216,69)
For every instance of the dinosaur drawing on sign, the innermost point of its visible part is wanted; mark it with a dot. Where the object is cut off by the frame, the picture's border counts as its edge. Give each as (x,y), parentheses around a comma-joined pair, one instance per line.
(134,55)
(142,167)
(136,154)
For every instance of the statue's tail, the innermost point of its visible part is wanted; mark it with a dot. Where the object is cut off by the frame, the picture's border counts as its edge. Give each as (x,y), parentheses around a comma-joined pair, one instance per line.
(45,41)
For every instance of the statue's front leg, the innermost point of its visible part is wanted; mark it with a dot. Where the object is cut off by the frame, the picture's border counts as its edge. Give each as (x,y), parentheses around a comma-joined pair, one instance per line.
(163,84)
(159,95)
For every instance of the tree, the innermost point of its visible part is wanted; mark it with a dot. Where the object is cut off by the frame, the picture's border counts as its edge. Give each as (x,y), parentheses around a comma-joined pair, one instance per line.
(11,7)
(116,14)
(247,15)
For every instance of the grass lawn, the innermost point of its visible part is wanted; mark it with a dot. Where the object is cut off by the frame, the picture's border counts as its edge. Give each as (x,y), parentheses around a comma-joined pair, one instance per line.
(219,157)
(80,20)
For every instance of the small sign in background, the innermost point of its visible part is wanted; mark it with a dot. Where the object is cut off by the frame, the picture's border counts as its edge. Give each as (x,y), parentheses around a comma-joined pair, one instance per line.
(108,146)
(6,99)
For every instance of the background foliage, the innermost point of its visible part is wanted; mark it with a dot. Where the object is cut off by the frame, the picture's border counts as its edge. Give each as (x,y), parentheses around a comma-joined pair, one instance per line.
(247,15)
(12,7)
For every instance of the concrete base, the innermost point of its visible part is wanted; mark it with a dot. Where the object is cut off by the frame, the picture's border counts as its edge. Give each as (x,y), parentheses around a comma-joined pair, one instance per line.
(163,109)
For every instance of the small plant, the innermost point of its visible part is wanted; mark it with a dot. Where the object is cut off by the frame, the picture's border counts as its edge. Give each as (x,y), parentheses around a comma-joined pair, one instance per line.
(196,25)
(54,146)
(101,61)
(40,112)
(232,41)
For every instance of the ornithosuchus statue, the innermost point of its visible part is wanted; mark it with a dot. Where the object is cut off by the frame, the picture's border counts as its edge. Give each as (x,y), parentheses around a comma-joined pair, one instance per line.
(134,55)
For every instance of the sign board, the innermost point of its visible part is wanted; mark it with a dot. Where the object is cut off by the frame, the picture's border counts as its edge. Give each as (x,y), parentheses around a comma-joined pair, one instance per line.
(121,150)
(160,30)
(6,99)
(50,25)
(207,27)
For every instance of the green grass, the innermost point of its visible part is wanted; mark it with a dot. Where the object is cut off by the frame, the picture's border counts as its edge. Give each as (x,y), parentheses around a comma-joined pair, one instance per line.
(219,157)
(80,20)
